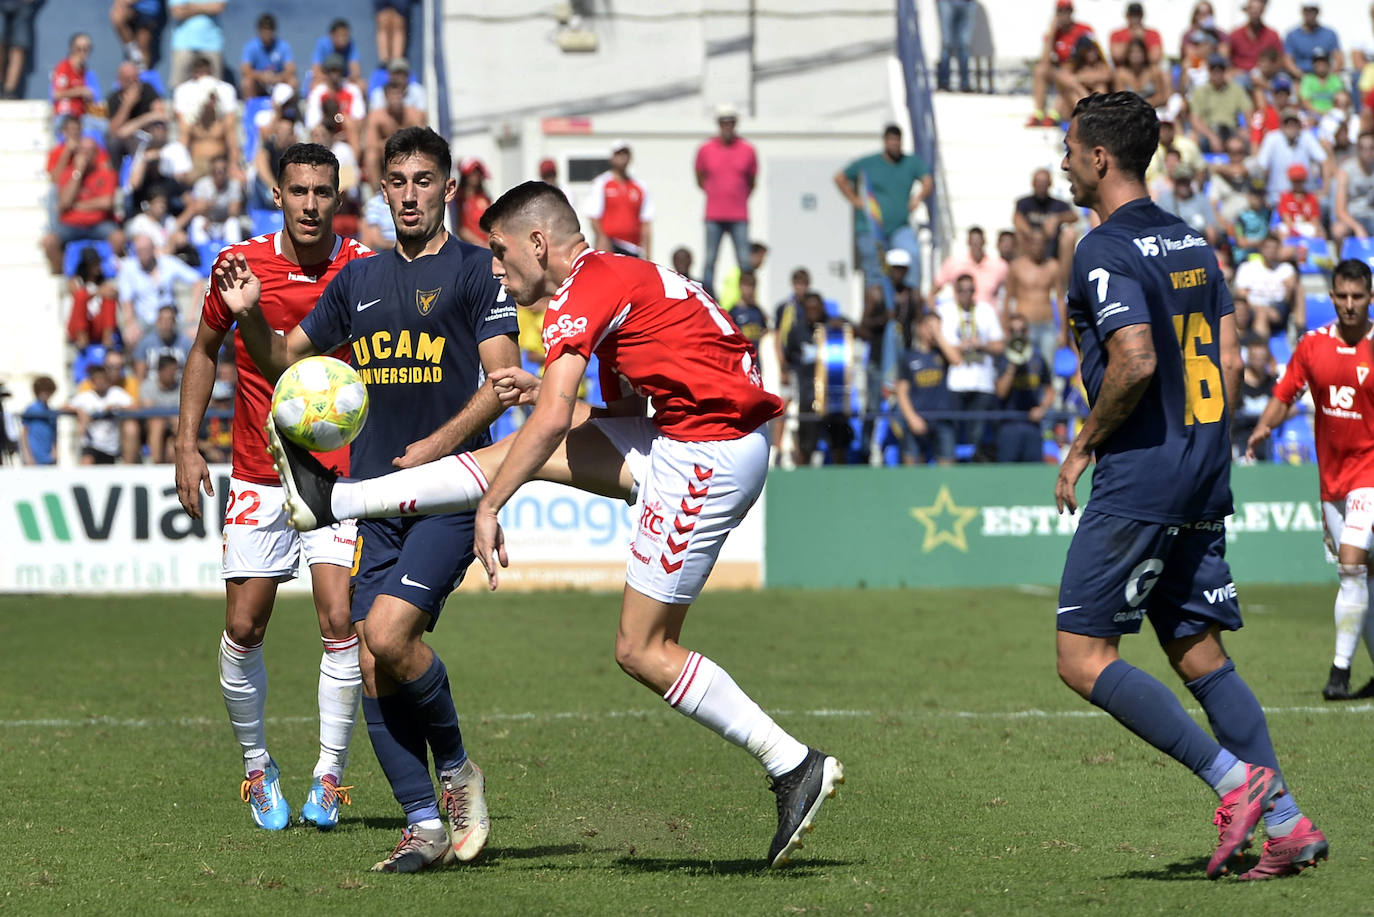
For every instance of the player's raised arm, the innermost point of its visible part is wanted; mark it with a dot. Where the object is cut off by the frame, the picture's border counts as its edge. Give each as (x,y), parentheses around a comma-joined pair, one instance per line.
(1130,366)
(197,380)
(241,291)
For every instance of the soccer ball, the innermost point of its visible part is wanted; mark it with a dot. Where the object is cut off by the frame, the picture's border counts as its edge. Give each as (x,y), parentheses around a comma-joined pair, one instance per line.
(320,403)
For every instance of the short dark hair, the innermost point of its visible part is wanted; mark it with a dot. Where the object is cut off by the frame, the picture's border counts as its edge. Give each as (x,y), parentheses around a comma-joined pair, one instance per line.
(308,154)
(965,276)
(422,141)
(165,360)
(801,273)
(528,196)
(267,21)
(757,247)
(892,129)
(1122,123)
(977,229)
(340,23)
(1352,269)
(44,385)
(749,276)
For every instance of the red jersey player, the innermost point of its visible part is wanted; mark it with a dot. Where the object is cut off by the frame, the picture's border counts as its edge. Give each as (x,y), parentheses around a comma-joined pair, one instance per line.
(260,548)
(692,470)
(1334,363)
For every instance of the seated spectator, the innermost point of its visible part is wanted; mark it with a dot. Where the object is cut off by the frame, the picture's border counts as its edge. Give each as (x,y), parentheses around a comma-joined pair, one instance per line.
(217,199)
(1192,70)
(196,33)
(1135,30)
(472,200)
(162,393)
(393,27)
(1289,145)
(1256,388)
(1262,76)
(189,97)
(138,24)
(1353,215)
(1184,202)
(1317,91)
(1032,281)
(398,75)
(1267,117)
(747,316)
(1172,139)
(376,229)
(1253,37)
(972,327)
(682,261)
(267,60)
(1252,224)
(85,204)
(211,136)
(1311,39)
(921,390)
(207,111)
(382,122)
(97,415)
(1266,291)
(1202,19)
(350,107)
(60,157)
(1024,384)
(1052,69)
(1231,183)
(1137,73)
(1339,128)
(72,94)
(338,41)
(1087,72)
(133,106)
(165,341)
(38,425)
(147,282)
(1218,107)
(160,164)
(1299,210)
(155,220)
(989,271)
(93,318)
(1054,217)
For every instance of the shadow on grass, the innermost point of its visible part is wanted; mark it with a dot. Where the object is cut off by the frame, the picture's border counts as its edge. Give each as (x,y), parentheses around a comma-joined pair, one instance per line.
(495,854)
(723,867)
(1190,870)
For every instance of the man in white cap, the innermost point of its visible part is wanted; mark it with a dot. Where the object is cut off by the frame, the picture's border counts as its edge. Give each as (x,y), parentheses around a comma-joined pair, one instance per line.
(619,208)
(727,168)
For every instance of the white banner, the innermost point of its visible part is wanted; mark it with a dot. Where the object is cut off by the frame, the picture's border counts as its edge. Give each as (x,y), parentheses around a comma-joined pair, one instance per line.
(120,528)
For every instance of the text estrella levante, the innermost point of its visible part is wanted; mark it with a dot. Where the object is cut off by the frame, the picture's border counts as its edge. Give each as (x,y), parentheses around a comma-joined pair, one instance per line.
(944,521)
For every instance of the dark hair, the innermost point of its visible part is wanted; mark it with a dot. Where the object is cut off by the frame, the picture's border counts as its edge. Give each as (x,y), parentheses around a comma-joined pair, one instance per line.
(267,21)
(1134,9)
(340,23)
(89,266)
(1138,43)
(1352,269)
(749,276)
(757,247)
(527,196)
(1122,123)
(892,129)
(422,141)
(165,360)
(977,229)
(308,154)
(44,384)
(801,273)
(965,276)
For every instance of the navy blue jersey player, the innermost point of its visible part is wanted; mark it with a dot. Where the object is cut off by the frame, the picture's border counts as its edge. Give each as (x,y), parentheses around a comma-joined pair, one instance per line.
(1157,334)
(424,322)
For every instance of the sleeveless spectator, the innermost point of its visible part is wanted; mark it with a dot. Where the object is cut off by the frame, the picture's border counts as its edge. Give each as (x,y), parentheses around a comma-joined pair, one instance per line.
(93,319)
(1137,74)
(72,96)
(189,98)
(197,32)
(280,133)
(266,61)
(726,168)
(1354,211)
(384,120)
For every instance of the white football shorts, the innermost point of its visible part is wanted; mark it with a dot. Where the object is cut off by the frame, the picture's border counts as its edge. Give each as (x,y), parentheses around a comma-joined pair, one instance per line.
(259,542)
(690,496)
(1350,521)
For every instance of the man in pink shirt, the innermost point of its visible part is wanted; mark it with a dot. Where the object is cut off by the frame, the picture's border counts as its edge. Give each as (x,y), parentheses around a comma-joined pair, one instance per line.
(726,168)
(989,272)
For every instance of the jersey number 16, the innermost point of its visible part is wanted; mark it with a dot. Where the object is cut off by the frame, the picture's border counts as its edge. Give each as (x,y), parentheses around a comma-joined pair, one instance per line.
(1203,400)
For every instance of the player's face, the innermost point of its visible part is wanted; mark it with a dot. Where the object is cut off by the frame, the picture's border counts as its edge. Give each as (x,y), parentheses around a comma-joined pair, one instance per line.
(416,193)
(308,198)
(1080,168)
(516,261)
(1351,298)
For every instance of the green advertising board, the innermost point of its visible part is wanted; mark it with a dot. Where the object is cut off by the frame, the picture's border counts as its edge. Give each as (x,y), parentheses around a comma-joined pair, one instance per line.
(997,525)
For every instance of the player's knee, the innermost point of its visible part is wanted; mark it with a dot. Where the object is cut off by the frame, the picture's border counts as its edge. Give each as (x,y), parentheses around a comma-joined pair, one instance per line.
(1075,674)
(388,649)
(246,632)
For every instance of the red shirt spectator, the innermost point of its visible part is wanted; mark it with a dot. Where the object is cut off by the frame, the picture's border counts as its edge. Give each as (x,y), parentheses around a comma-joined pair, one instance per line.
(70,94)
(98,181)
(619,207)
(1246,45)
(473,200)
(94,317)
(1065,40)
(726,168)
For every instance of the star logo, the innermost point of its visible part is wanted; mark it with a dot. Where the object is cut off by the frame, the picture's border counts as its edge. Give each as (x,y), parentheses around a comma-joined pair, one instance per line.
(944,521)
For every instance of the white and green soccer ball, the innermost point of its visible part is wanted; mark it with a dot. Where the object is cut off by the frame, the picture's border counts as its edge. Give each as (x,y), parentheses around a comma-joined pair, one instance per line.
(320,403)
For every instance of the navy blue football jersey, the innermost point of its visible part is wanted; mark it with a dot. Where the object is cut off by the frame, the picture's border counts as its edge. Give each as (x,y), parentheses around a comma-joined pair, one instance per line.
(414,327)
(1170,461)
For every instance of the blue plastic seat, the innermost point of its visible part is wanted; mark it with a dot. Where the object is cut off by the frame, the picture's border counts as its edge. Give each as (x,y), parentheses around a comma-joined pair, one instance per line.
(1362,249)
(266,221)
(1293,442)
(1318,253)
(1320,310)
(71,256)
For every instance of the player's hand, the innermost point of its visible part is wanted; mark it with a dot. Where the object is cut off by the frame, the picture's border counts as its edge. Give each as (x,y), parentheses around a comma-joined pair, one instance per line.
(420,452)
(489,544)
(1256,436)
(192,475)
(1069,473)
(238,286)
(514,386)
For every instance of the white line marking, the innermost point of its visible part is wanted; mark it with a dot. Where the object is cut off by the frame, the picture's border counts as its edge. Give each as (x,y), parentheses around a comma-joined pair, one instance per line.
(188,721)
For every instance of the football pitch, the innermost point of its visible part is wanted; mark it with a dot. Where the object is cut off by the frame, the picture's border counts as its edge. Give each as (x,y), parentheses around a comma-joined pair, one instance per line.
(977,784)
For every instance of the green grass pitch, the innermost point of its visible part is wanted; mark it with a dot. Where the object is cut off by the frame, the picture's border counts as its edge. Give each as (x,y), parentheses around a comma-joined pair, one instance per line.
(977,784)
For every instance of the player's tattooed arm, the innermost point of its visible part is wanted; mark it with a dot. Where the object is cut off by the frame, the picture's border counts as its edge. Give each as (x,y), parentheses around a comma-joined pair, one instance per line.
(1130,366)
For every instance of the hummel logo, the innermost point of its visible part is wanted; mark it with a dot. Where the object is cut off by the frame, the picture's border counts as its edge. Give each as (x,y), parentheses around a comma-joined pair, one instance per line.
(367,305)
(405,578)
(1067,608)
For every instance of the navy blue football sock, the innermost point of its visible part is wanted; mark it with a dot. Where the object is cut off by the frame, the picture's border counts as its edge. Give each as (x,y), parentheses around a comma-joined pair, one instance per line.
(1149,709)
(432,702)
(1238,722)
(399,743)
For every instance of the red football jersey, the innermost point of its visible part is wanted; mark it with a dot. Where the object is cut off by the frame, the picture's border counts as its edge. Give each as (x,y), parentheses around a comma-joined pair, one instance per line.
(289,291)
(1343,391)
(660,334)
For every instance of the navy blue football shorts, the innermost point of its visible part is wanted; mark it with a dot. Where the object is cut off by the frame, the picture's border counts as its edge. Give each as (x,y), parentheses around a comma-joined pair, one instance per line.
(419,559)
(1119,570)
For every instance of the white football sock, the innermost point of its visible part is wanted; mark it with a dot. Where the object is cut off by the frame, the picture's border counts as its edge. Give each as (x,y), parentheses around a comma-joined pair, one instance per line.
(1352,604)
(452,484)
(1369,620)
(706,693)
(243,681)
(341,684)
